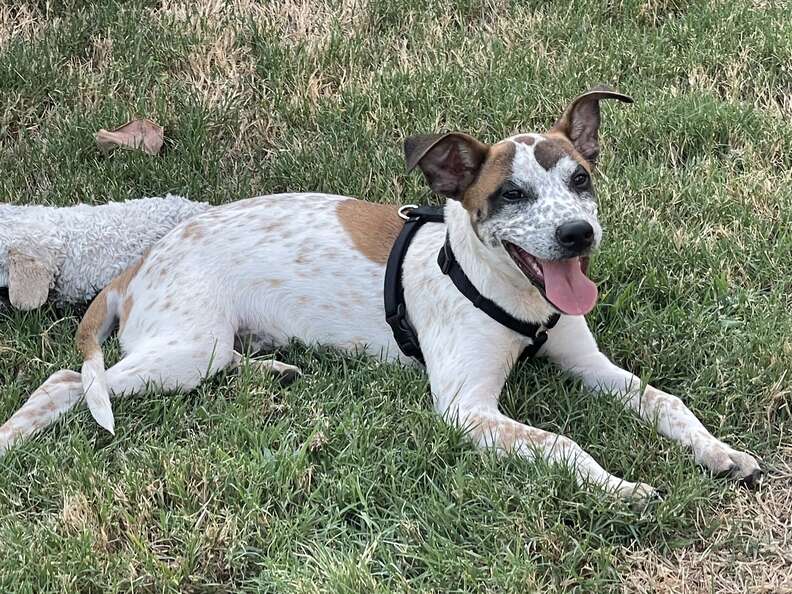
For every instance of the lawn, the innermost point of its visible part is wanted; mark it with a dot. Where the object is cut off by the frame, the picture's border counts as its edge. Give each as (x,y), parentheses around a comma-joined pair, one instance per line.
(346,481)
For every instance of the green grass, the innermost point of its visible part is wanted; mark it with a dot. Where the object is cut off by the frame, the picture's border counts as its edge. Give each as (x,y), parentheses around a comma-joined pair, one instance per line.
(345,481)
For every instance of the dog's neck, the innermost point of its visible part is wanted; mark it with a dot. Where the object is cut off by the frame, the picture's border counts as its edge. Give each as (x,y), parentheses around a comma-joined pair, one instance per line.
(491,271)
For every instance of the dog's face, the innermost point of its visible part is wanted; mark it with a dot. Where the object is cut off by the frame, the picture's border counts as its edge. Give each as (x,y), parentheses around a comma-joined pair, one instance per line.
(530,197)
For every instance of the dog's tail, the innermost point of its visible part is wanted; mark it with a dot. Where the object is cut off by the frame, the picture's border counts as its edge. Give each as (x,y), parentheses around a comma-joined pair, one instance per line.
(95,327)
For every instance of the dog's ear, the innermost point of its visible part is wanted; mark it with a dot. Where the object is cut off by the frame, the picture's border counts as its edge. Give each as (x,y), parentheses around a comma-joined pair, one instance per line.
(29,279)
(581,120)
(450,162)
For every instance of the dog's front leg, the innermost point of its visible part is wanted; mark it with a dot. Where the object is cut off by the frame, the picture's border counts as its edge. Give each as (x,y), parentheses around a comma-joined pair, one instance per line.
(571,346)
(466,387)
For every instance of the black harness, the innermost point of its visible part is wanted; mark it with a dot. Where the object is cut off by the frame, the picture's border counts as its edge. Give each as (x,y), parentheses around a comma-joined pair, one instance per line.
(396,310)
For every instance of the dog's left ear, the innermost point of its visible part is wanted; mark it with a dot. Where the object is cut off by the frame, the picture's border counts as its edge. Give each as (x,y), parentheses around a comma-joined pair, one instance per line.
(450,162)
(581,120)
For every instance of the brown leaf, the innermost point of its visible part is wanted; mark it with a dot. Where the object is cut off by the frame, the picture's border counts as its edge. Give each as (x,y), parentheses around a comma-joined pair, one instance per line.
(143,135)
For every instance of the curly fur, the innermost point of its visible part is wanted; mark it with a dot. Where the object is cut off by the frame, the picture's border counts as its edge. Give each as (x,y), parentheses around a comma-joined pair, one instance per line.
(71,253)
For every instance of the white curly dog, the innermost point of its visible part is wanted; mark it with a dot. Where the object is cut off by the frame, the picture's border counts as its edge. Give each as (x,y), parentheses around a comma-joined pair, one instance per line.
(75,251)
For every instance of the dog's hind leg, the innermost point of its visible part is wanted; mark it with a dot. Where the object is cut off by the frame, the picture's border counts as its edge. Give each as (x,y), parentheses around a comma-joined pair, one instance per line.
(169,365)
(62,391)
(572,346)
(170,369)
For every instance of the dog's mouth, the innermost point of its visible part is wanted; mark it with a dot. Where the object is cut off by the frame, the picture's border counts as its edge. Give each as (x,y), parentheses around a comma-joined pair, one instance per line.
(562,282)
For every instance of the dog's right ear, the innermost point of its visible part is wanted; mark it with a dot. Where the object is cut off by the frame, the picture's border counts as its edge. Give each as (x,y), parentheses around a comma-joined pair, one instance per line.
(581,120)
(450,162)
(29,279)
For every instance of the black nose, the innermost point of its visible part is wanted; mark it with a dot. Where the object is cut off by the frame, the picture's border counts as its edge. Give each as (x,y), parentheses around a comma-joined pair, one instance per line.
(575,235)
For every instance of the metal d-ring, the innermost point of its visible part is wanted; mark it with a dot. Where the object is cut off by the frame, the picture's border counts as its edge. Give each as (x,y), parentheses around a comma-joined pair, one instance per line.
(404,210)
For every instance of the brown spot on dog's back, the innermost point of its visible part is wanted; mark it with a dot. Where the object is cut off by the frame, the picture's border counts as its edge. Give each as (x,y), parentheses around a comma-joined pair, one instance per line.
(193,231)
(372,227)
(270,227)
(121,282)
(495,170)
(126,307)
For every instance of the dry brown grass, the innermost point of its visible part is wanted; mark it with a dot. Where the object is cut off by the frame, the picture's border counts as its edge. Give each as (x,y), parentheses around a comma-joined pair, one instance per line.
(218,69)
(311,21)
(751,552)
(20,21)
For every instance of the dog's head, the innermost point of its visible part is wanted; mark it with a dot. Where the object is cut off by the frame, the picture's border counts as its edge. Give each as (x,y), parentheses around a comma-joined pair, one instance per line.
(530,197)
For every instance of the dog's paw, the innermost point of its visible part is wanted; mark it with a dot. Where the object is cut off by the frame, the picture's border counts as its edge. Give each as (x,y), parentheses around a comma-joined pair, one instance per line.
(289,374)
(285,374)
(638,495)
(729,463)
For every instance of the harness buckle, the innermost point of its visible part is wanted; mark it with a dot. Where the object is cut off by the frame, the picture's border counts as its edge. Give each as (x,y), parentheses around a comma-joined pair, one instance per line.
(404,211)
(404,333)
(539,339)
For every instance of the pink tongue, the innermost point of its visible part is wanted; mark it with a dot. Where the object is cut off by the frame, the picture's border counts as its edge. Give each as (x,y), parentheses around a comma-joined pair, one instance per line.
(568,288)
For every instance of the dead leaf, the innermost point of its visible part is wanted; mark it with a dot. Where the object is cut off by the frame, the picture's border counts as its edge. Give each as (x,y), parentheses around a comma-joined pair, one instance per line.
(143,135)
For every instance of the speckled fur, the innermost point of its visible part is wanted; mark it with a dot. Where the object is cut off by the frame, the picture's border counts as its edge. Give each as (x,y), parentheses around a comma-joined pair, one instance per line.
(78,250)
(283,267)
(532,223)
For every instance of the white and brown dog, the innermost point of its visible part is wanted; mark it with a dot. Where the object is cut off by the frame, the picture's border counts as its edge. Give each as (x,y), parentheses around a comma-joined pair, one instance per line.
(521,219)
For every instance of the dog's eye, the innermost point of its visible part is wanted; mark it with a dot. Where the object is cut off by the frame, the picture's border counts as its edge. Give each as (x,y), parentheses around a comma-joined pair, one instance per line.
(580,179)
(513,195)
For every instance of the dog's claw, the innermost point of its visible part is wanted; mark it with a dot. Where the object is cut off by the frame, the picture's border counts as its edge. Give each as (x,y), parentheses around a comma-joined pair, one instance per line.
(289,376)
(753,479)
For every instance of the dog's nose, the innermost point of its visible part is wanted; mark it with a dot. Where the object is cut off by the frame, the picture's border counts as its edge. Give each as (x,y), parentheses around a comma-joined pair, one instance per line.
(575,235)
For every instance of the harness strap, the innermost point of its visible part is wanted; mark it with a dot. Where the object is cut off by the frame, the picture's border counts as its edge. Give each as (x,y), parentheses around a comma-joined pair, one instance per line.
(450,267)
(396,311)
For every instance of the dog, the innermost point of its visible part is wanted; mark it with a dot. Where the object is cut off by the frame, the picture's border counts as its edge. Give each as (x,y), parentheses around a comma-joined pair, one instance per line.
(521,218)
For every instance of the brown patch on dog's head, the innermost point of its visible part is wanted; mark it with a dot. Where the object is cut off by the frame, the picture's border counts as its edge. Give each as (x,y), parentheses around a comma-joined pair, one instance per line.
(372,227)
(524,139)
(547,153)
(495,170)
(579,124)
(565,145)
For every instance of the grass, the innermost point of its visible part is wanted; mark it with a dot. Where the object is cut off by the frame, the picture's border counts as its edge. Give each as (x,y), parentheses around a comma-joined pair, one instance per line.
(345,481)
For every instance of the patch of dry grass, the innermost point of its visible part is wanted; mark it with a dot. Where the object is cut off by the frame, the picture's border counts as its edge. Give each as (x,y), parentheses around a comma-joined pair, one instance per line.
(750,552)
(21,21)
